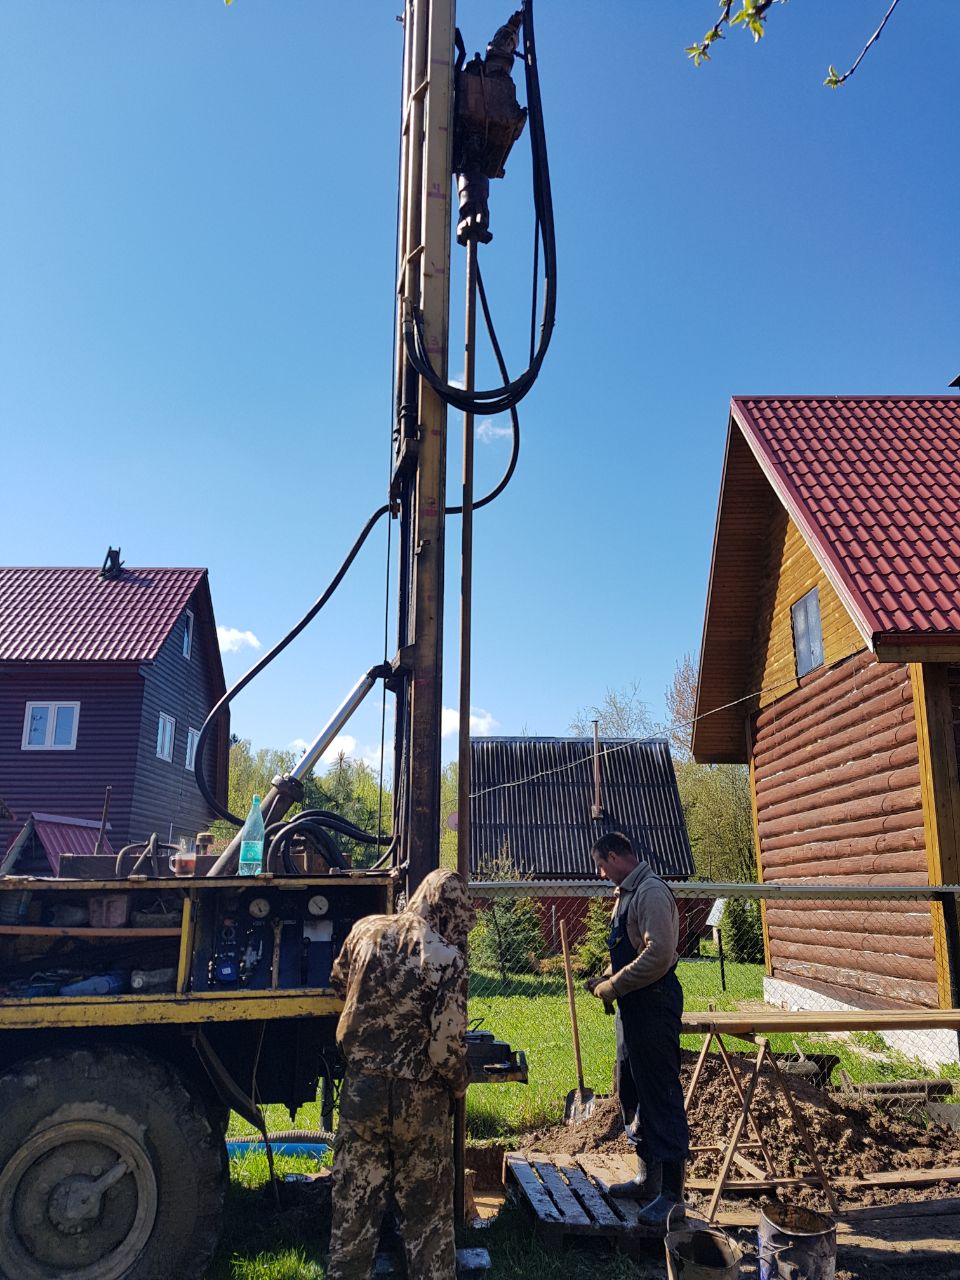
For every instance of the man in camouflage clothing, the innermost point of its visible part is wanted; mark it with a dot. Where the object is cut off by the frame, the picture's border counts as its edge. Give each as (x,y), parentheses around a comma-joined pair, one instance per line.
(403,1036)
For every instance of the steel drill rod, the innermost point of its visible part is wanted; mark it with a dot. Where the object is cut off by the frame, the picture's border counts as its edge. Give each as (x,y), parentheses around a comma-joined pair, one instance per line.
(463,768)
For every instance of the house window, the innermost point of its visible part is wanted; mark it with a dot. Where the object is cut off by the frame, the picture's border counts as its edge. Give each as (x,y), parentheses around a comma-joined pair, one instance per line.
(166,731)
(807,632)
(193,737)
(50,726)
(187,634)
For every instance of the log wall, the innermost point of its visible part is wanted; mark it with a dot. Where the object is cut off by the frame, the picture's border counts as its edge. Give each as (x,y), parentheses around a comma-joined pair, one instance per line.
(791,572)
(837,777)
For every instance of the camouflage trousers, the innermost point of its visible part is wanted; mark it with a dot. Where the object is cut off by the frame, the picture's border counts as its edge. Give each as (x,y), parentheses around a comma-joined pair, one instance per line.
(394,1136)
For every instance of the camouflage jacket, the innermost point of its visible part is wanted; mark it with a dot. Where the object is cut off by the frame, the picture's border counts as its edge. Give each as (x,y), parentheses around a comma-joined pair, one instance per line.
(403,980)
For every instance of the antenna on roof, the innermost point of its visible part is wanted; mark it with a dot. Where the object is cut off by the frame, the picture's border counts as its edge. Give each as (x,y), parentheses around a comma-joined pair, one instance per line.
(112,565)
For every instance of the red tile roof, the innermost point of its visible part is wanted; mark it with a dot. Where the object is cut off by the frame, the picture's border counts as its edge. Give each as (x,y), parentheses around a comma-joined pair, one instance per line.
(74,615)
(874,484)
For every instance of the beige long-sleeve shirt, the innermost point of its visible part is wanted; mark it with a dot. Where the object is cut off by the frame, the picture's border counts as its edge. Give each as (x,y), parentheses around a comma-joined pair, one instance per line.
(648,908)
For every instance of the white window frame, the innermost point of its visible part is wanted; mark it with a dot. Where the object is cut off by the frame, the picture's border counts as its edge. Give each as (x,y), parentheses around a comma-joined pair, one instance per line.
(48,744)
(193,737)
(164,721)
(187,648)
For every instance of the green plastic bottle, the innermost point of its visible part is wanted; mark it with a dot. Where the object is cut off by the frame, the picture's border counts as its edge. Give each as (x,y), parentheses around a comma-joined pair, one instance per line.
(251,841)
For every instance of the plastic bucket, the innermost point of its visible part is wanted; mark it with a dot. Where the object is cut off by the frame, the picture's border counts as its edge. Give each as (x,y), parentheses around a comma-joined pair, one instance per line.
(701,1254)
(796,1244)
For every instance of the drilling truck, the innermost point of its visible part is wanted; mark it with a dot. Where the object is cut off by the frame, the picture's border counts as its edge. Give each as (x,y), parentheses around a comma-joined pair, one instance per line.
(139,1008)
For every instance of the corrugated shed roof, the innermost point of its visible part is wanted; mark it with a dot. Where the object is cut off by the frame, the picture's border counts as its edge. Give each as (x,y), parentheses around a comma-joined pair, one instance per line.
(74,615)
(57,836)
(531,799)
(874,483)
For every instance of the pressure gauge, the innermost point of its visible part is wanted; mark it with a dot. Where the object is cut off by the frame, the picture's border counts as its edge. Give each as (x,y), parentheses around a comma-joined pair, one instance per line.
(259,908)
(318,905)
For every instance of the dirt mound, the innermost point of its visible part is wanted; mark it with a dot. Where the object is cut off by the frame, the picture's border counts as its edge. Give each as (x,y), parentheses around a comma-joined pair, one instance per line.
(852,1138)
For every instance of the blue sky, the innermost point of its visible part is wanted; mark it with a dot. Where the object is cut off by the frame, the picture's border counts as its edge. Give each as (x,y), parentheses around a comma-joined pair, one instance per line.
(196,270)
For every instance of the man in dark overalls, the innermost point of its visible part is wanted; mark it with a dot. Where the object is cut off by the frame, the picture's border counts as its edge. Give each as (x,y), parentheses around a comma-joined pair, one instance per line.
(642,982)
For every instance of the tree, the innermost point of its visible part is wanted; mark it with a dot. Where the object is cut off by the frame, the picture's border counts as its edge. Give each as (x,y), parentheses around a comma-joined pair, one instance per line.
(509,935)
(752,17)
(448,806)
(622,714)
(250,774)
(715,797)
(350,788)
(719,817)
(681,700)
(593,953)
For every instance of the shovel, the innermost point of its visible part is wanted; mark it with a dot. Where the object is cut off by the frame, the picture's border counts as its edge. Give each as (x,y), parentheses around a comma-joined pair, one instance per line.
(579,1103)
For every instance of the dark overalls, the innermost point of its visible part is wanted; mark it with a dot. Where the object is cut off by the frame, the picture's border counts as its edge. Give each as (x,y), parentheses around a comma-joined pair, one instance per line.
(648,1059)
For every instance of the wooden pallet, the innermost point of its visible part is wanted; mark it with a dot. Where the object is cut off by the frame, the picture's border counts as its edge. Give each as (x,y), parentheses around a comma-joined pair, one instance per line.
(569,1195)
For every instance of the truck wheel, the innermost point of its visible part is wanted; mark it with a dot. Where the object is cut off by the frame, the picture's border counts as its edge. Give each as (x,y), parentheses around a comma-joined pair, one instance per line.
(109,1169)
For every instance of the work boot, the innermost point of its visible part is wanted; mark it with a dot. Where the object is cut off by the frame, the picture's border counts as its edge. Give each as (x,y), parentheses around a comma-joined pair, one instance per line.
(645,1186)
(669,1205)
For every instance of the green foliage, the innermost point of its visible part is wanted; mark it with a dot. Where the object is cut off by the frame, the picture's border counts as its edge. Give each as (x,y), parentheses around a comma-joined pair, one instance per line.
(251,773)
(752,17)
(350,788)
(742,931)
(508,937)
(719,817)
(448,806)
(593,951)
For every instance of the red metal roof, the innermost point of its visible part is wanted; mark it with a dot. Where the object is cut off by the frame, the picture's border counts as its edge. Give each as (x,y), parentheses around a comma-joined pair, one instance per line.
(67,835)
(75,615)
(874,484)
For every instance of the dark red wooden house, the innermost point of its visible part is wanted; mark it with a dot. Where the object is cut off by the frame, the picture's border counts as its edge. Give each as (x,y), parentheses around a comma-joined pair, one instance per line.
(106,677)
(831,664)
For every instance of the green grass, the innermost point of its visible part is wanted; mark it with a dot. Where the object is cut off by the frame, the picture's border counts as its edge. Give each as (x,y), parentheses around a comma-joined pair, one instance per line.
(531,1013)
(260,1244)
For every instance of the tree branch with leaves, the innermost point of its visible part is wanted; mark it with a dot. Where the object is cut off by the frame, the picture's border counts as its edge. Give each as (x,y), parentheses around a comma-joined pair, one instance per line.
(752,16)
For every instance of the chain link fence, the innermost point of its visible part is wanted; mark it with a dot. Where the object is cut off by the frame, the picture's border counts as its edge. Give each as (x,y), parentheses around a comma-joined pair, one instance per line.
(743,947)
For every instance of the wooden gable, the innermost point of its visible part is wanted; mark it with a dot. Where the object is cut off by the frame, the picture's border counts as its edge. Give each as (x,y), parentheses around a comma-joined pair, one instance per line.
(791,572)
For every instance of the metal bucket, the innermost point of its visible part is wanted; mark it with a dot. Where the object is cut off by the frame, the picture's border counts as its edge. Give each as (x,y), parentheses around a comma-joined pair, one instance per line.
(701,1254)
(796,1244)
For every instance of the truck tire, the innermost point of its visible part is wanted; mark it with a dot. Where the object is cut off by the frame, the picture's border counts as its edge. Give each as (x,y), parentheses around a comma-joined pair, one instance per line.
(109,1170)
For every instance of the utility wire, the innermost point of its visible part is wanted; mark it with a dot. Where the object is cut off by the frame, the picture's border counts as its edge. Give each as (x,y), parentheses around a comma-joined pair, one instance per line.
(630,742)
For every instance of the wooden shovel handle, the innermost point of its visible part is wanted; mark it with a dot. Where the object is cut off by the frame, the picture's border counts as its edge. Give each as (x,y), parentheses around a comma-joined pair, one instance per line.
(573,1006)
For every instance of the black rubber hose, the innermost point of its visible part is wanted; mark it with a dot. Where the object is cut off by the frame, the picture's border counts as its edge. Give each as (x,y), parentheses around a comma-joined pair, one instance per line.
(336,821)
(500,399)
(267,658)
(514,416)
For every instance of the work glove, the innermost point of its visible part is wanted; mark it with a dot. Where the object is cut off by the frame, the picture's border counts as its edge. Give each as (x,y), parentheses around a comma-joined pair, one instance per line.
(604,990)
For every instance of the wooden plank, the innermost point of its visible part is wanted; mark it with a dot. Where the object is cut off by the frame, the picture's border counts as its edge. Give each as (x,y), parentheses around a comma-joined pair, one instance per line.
(893,1178)
(800,1021)
(82,931)
(573,1212)
(526,1179)
(604,1171)
(587,1193)
(850,1220)
(750,1184)
(748,1166)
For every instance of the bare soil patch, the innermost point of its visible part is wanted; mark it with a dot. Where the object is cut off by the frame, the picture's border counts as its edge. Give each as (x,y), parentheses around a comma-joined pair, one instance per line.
(853,1138)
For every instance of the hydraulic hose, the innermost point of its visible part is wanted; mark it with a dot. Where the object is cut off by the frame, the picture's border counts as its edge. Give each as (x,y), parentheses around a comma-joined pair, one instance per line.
(502,398)
(265,661)
(514,416)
